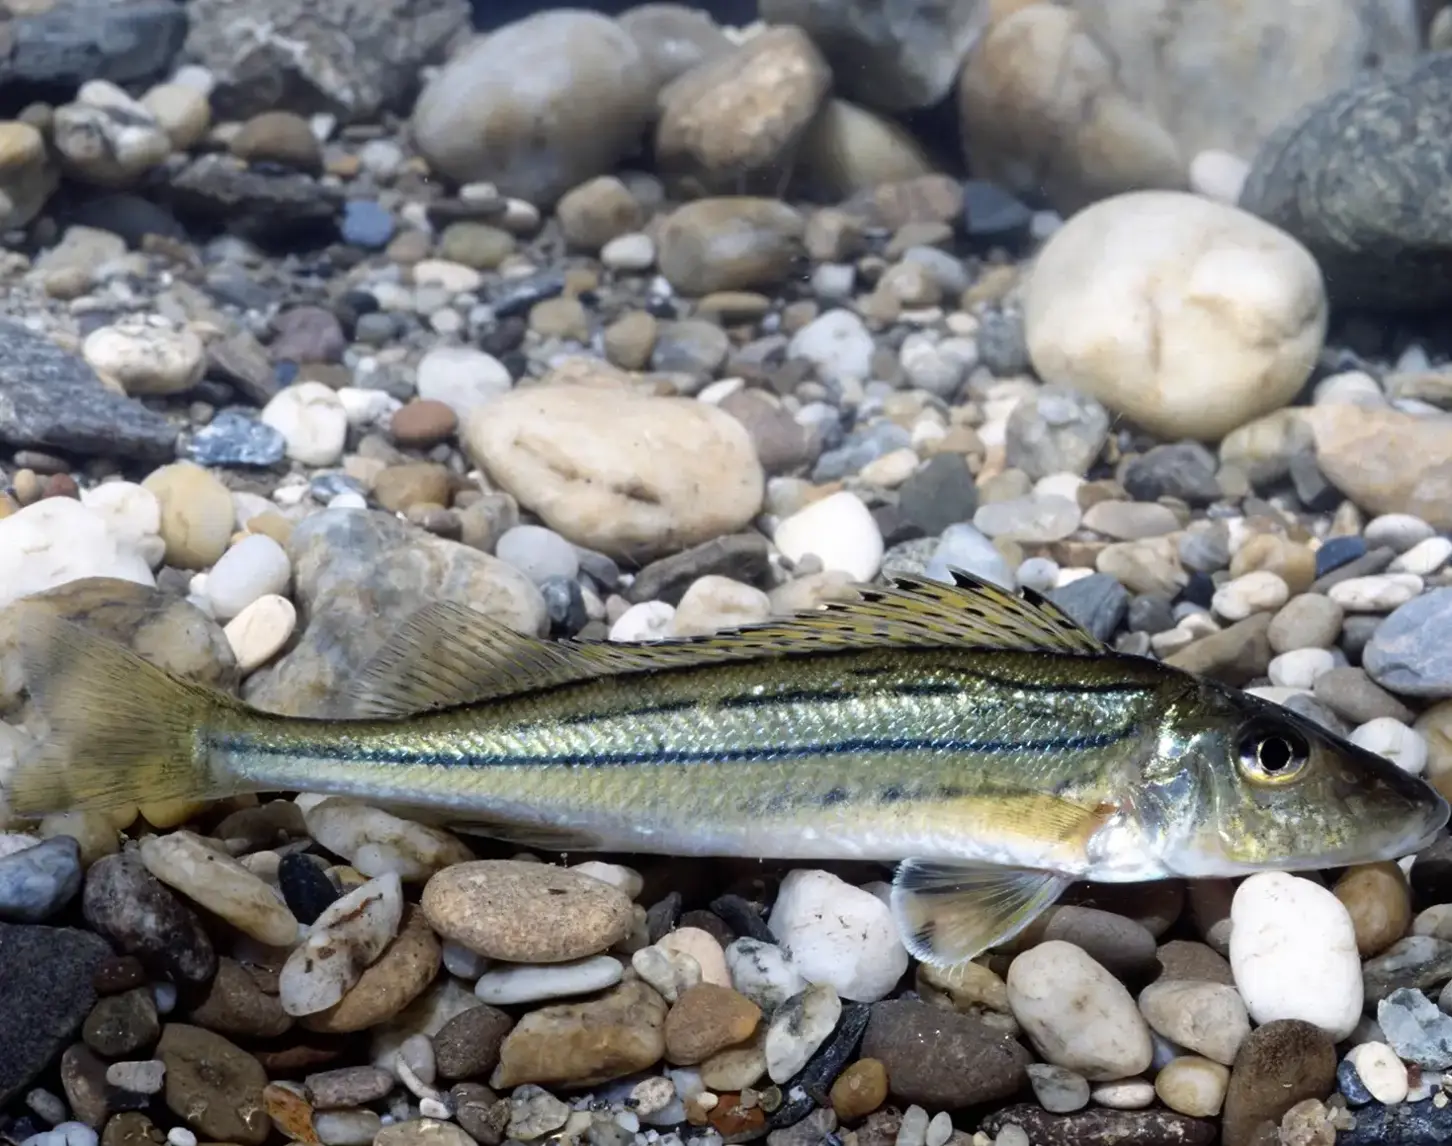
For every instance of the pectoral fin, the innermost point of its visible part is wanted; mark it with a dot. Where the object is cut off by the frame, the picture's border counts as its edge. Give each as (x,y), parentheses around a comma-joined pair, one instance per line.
(950,913)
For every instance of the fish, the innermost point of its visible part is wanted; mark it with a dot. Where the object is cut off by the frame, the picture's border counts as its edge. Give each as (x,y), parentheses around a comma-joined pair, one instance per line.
(981,739)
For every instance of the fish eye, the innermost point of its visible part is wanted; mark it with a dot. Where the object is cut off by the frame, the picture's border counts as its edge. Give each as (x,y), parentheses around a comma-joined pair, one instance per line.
(1273,755)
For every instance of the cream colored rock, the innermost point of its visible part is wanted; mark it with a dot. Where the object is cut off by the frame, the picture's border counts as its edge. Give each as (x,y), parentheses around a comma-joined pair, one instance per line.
(184,861)
(713,603)
(312,420)
(1188,316)
(840,530)
(259,631)
(27,175)
(147,355)
(197,514)
(106,137)
(1385,460)
(131,511)
(847,149)
(57,540)
(631,475)
(182,111)
(344,940)
(377,842)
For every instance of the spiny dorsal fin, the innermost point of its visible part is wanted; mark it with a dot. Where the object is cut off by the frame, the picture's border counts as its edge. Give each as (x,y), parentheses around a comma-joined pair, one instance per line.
(447,654)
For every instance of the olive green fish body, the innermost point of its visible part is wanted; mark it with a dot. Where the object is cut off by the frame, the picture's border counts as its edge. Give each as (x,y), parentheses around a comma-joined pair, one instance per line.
(876,755)
(986,741)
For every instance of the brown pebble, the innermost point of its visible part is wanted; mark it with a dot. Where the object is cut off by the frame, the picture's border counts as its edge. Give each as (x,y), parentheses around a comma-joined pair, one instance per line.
(480,1112)
(236,1004)
(121,1025)
(131,1128)
(1185,959)
(395,979)
(860,1089)
(290,1112)
(348,1086)
(413,483)
(83,1078)
(214,1085)
(61,485)
(587,1043)
(708,1018)
(1280,1064)
(467,1046)
(735,1121)
(118,973)
(1379,901)
(298,1058)
(423,423)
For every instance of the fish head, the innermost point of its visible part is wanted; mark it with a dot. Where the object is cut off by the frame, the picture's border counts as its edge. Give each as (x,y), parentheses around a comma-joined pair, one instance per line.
(1240,784)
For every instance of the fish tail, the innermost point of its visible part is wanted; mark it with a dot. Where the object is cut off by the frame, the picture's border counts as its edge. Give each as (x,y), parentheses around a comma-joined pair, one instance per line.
(117,729)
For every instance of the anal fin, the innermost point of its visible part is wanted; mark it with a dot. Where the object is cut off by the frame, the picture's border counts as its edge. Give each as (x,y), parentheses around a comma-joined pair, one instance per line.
(950,913)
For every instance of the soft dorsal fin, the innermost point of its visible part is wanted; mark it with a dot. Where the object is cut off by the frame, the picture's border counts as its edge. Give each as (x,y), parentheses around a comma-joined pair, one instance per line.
(447,654)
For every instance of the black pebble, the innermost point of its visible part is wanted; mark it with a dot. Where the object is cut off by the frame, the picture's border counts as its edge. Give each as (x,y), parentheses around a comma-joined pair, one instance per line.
(1198,590)
(661,917)
(742,916)
(305,887)
(1338,551)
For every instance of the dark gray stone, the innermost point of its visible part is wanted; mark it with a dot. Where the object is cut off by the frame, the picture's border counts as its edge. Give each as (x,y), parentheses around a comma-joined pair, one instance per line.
(1098,602)
(135,911)
(1103,1127)
(45,995)
(1406,1124)
(349,57)
(1002,343)
(1358,178)
(1182,469)
(939,494)
(740,556)
(50,399)
(255,202)
(234,439)
(124,41)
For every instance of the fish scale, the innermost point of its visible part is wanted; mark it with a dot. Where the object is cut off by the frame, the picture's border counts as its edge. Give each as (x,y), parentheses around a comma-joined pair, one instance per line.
(993,748)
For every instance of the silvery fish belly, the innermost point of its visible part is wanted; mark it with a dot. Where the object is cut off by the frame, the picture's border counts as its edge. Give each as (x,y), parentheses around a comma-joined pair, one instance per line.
(984,741)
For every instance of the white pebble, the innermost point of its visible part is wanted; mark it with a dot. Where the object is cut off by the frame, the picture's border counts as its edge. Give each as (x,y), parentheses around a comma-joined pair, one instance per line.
(1299,668)
(346,1127)
(1399,531)
(701,946)
(181,1136)
(838,934)
(617,875)
(1424,558)
(131,512)
(840,530)
(255,567)
(838,343)
(1293,953)
(1256,592)
(259,631)
(799,1027)
(1076,1014)
(1012,1134)
(504,986)
(164,995)
(1389,737)
(365,407)
(1193,1085)
(763,972)
(647,621)
(461,377)
(138,1077)
(377,842)
(1130,1094)
(348,499)
(671,973)
(463,963)
(913,1129)
(312,422)
(1382,1073)
(940,1129)
(64,1134)
(146,356)
(1379,593)
(630,252)
(344,941)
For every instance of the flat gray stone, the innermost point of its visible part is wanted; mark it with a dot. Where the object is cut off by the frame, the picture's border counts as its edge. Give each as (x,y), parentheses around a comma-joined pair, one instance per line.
(124,41)
(1411,651)
(51,400)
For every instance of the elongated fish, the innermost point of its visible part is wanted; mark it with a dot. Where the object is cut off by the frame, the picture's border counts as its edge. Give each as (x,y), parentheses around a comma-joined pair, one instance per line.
(986,742)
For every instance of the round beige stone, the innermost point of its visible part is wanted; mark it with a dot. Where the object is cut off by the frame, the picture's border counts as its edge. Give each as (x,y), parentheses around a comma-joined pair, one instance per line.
(526,912)
(197,514)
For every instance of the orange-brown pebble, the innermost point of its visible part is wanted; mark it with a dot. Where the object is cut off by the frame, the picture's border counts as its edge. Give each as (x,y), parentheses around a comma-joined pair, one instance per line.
(1377,898)
(61,485)
(733,1120)
(708,1018)
(271,524)
(290,1113)
(860,1089)
(423,423)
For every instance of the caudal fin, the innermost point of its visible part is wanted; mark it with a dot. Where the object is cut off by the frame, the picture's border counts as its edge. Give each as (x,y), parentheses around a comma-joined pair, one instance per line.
(118,730)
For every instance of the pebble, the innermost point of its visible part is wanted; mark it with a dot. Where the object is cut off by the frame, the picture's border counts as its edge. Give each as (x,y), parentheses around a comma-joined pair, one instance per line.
(347,1127)
(197,514)
(376,842)
(1379,593)
(859,1090)
(1193,1085)
(137,1077)
(526,912)
(1379,901)
(1036,518)
(971,1062)
(1380,1070)
(462,378)
(1076,1014)
(260,630)
(1257,592)
(312,421)
(508,985)
(126,904)
(1299,668)
(763,972)
(38,880)
(214,1085)
(703,948)
(348,1086)
(798,1028)
(146,357)
(349,935)
(1294,954)
(586,1043)
(254,567)
(1058,1089)
(538,553)
(1392,739)
(839,530)
(1208,1018)
(1408,653)
(184,861)
(707,1019)
(838,934)
(236,439)
(467,1046)
(1416,1029)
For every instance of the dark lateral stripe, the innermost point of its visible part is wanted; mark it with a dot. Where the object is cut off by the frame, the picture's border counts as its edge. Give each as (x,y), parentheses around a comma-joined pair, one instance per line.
(384,754)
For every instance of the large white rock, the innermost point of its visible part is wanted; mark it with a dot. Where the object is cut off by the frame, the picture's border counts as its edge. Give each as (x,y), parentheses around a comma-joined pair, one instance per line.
(1188,316)
(840,530)
(1293,953)
(57,540)
(1076,1014)
(838,934)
